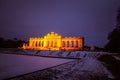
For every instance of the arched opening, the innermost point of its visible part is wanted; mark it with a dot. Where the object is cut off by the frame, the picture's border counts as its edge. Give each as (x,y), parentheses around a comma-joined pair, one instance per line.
(33,43)
(42,43)
(36,44)
(68,43)
(76,43)
(51,43)
(39,44)
(63,43)
(55,45)
(48,43)
(72,43)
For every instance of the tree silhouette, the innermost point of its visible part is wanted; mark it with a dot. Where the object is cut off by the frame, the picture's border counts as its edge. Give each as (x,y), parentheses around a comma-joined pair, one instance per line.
(14,43)
(114,37)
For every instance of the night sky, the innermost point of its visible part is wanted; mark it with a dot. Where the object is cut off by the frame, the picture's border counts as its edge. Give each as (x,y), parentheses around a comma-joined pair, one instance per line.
(91,19)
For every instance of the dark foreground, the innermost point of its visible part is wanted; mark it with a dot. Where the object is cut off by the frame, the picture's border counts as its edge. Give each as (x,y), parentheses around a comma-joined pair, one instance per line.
(89,67)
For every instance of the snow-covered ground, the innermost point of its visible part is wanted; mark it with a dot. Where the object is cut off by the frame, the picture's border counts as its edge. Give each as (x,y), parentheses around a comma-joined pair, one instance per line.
(85,69)
(85,65)
(13,65)
(61,54)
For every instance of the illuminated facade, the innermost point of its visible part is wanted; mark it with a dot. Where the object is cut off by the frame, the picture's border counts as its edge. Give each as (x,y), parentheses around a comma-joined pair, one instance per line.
(53,41)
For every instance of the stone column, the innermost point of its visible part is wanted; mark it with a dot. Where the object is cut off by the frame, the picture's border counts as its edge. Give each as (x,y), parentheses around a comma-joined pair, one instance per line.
(30,43)
(65,43)
(41,43)
(49,44)
(79,43)
(37,43)
(33,43)
(54,43)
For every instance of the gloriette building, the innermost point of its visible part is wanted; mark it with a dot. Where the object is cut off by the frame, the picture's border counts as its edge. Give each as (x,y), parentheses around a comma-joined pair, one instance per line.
(53,41)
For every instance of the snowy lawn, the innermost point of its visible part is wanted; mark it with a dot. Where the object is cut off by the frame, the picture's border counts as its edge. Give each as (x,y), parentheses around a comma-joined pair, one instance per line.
(13,65)
(85,69)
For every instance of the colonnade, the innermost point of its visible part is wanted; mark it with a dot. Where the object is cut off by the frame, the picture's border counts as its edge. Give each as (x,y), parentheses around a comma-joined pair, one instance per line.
(66,43)
(37,43)
(54,41)
(51,43)
(69,43)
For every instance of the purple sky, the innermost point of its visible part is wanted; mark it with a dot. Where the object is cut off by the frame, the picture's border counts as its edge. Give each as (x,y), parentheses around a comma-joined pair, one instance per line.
(91,19)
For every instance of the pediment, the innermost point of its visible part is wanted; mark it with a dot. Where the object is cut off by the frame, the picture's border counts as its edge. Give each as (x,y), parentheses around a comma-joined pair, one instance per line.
(52,35)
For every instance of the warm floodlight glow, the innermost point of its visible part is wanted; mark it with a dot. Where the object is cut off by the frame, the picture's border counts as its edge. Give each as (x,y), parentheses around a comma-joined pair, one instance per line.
(53,41)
